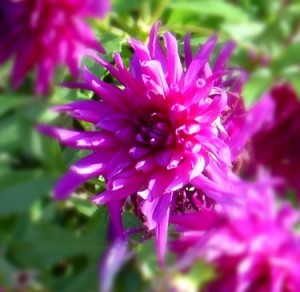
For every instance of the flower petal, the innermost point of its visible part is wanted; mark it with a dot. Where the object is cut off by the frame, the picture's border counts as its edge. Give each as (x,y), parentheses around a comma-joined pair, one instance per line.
(86,168)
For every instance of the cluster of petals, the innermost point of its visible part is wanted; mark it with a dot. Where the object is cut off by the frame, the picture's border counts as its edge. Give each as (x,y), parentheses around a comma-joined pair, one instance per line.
(276,145)
(43,34)
(167,126)
(256,250)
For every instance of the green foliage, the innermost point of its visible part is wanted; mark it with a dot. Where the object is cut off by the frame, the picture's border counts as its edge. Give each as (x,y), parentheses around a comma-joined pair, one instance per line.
(20,189)
(218,8)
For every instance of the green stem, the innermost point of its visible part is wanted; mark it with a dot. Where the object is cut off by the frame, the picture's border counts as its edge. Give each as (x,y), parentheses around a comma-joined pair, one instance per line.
(190,28)
(107,27)
(97,182)
(159,11)
(123,24)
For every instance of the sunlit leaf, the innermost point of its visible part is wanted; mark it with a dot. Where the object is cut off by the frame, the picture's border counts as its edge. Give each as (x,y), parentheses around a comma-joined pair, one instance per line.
(217,8)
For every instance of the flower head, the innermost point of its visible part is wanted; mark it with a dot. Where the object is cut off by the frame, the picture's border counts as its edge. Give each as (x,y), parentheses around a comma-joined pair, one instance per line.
(256,254)
(276,145)
(254,250)
(168,128)
(42,34)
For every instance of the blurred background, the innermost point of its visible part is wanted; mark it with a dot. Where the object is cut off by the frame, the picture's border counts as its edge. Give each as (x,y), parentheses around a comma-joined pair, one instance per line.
(46,245)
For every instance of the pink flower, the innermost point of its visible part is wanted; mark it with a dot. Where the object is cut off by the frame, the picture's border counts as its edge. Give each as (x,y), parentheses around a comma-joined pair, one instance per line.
(44,34)
(256,254)
(276,145)
(254,250)
(168,128)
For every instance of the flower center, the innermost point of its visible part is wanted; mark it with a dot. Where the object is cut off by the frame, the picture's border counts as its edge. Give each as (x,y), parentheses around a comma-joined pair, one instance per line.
(190,199)
(155,131)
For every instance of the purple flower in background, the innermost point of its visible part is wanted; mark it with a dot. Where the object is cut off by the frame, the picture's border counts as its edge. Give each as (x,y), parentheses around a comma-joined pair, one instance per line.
(168,129)
(276,145)
(257,253)
(255,250)
(43,34)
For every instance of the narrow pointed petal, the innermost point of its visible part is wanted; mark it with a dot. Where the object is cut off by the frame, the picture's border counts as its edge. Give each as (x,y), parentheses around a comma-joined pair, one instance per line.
(89,111)
(187,50)
(80,140)
(162,237)
(88,167)
(111,262)
(116,227)
(156,210)
(200,59)
(122,188)
(224,56)
(173,60)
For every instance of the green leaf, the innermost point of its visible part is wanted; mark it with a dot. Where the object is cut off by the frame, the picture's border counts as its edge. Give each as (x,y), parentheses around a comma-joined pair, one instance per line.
(97,224)
(46,244)
(147,259)
(86,280)
(83,206)
(258,82)
(198,275)
(243,31)
(217,8)
(294,8)
(130,279)
(7,272)
(111,43)
(9,130)
(288,57)
(48,151)
(294,80)
(130,220)
(19,189)
(11,101)
(121,6)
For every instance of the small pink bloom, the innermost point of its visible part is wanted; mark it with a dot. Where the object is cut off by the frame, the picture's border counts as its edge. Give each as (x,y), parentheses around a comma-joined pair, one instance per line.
(255,250)
(43,34)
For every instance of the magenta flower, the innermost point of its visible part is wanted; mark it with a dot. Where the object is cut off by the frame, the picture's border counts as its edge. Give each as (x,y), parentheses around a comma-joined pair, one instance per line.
(277,144)
(256,254)
(254,250)
(43,34)
(168,128)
